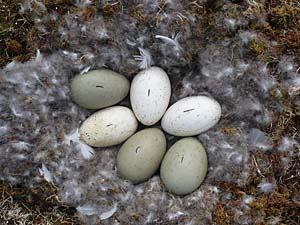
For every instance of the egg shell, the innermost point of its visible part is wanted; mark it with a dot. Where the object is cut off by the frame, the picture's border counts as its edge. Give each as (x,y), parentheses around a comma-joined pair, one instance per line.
(150,95)
(191,116)
(108,127)
(99,88)
(140,156)
(184,166)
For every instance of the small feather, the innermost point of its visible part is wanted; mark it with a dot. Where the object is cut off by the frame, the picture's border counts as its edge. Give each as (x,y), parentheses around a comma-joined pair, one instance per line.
(46,173)
(87,209)
(109,213)
(145,58)
(171,41)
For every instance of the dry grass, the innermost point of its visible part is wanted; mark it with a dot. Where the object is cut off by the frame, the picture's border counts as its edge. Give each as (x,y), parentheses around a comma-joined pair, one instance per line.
(23,206)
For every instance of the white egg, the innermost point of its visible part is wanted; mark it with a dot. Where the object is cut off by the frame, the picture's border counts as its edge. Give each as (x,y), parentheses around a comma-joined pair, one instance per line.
(191,116)
(108,127)
(150,94)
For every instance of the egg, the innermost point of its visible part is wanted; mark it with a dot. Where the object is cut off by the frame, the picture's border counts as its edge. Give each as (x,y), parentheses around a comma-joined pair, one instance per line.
(99,89)
(191,116)
(108,127)
(150,95)
(184,166)
(140,156)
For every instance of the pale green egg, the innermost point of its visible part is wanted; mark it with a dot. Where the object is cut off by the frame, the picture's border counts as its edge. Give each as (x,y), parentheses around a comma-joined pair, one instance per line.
(184,166)
(140,156)
(99,88)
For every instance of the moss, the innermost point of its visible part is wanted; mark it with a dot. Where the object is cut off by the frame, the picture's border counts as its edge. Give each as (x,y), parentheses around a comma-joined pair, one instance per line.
(263,49)
(258,47)
(276,205)
(20,37)
(110,10)
(139,14)
(281,203)
(88,12)
(230,130)
(283,18)
(223,215)
(13,31)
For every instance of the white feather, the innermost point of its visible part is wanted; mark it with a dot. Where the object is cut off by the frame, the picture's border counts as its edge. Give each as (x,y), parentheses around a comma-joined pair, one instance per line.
(172,41)
(85,70)
(38,55)
(109,213)
(86,151)
(46,173)
(87,209)
(74,137)
(144,58)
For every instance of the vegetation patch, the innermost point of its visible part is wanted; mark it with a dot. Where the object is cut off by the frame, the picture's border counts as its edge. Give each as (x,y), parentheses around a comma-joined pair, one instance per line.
(40,205)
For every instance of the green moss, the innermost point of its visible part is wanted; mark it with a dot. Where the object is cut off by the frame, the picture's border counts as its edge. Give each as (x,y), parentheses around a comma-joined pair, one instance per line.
(261,49)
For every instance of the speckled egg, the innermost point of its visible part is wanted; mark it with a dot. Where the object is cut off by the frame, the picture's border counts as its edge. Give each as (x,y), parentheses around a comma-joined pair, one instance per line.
(150,95)
(141,155)
(99,88)
(184,166)
(191,116)
(108,127)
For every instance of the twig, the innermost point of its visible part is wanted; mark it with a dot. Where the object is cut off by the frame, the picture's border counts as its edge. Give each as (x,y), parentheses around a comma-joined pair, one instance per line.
(257,167)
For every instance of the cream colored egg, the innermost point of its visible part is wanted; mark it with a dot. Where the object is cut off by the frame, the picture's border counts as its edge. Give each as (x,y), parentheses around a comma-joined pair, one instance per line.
(108,127)
(140,156)
(184,166)
(191,116)
(99,88)
(150,95)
